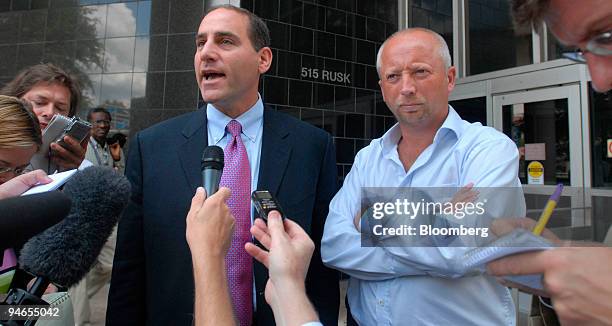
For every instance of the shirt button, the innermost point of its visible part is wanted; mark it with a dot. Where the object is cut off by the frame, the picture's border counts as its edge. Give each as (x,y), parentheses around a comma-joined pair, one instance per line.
(381,302)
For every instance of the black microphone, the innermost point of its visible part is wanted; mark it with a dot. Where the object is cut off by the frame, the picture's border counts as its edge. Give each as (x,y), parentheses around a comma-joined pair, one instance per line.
(26,216)
(64,253)
(212,168)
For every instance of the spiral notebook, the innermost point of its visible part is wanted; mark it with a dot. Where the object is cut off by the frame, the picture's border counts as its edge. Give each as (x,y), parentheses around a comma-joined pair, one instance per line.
(517,241)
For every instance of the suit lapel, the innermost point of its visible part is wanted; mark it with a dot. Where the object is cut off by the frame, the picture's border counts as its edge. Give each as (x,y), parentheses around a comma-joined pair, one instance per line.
(190,152)
(275,152)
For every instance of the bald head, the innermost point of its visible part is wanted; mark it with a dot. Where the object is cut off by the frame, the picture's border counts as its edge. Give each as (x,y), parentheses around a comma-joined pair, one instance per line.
(441,46)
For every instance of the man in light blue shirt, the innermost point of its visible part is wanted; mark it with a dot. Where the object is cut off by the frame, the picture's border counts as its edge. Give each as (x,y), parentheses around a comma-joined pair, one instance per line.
(430,146)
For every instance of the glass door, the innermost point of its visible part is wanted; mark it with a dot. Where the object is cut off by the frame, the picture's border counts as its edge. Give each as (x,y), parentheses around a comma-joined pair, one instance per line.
(545,124)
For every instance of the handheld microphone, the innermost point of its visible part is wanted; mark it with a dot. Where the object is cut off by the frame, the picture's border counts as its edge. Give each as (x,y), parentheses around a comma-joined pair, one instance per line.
(23,217)
(64,253)
(212,168)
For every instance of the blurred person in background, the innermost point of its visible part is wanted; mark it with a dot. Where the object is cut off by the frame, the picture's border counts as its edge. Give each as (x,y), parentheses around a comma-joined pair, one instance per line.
(97,280)
(116,143)
(99,149)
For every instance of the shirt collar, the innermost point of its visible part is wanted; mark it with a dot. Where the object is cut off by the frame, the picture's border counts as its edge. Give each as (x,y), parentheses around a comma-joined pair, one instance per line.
(391,138)
(251,121)
(452,123)
(95,143)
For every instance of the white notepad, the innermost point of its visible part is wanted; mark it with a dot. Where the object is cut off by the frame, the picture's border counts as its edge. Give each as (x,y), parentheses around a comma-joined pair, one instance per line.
(517,241)
(59,179)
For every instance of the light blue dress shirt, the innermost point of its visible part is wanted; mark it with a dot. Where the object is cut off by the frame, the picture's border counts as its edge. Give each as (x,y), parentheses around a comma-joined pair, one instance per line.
(252,133)
(417,285)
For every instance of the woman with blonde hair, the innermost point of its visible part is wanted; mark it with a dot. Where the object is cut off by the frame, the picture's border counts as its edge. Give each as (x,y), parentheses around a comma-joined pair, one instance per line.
(20,139)
(20,136)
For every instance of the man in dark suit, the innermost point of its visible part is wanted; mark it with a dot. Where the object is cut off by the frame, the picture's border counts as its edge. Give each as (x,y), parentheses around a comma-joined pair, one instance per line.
(152,280)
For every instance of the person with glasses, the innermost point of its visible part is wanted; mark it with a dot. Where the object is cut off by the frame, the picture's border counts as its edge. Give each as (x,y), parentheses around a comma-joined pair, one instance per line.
(98,149)
(20,138)
(577,279)
(50,91)
(585,25)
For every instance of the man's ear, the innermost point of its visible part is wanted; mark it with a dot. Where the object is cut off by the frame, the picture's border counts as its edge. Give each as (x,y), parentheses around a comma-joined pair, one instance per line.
(265,59)
(451,76)
(382,90)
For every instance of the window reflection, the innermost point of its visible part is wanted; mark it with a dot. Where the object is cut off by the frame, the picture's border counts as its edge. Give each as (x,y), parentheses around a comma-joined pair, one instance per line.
(141,54)
(90,55)
(144,18)
(435,15)
(119,54)
(540,130)
(92,17)
(91,93)
(601,150)
(472,109)
(116,90)
(493,42)
(123,18)
(121,119)
(139,88)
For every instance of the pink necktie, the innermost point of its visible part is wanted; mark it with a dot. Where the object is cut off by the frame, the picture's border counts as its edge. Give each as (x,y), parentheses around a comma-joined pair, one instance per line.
(237,177)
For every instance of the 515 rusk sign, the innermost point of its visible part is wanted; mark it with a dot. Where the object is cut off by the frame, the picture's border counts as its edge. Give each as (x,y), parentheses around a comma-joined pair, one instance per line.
(326,75)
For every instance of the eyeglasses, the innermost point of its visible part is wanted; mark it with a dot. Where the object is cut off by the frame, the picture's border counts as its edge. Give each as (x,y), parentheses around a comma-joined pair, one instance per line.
(17,171)
(598,45)
(102,122)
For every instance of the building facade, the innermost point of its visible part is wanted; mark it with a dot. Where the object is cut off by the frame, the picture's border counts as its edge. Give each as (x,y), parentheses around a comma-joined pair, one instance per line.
(136,59)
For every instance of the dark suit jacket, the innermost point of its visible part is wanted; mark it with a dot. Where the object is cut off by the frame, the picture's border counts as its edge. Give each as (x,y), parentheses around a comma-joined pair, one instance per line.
(152,280)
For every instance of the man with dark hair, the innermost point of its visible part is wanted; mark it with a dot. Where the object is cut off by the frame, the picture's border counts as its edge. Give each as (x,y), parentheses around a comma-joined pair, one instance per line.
(51,91)
(257,30)
(152,280)
(98,151)
(577,279)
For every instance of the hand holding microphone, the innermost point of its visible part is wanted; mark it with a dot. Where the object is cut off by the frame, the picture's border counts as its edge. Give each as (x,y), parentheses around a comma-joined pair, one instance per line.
(209,234)
(209,228)
(209,222)
(209,225)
